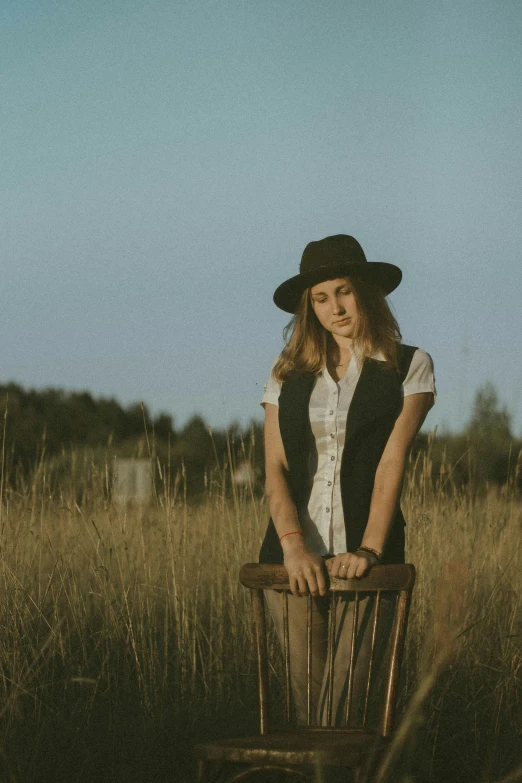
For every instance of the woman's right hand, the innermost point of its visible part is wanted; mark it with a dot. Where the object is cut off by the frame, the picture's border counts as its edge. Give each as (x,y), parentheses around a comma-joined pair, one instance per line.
(306,571)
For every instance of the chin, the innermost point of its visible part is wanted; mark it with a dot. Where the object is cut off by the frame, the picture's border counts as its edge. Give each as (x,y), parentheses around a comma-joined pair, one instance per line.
(343,331)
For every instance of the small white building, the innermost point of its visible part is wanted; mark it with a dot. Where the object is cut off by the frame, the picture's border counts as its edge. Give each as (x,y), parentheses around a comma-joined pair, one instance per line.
(132,481)
(244,475)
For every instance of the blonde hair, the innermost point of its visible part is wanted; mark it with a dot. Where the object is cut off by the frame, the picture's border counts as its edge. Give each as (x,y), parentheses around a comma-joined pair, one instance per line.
(306,341)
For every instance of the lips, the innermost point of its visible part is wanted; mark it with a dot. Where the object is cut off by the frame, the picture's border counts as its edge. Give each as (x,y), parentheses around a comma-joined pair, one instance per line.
(343,322)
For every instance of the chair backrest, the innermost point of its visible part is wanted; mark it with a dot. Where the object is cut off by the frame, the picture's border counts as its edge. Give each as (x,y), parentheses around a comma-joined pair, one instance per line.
(387,586)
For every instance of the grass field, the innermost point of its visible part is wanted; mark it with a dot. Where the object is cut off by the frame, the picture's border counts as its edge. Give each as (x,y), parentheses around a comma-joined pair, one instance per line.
(126,637)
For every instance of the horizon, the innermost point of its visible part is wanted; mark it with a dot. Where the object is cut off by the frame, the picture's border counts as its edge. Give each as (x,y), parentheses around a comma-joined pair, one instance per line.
(179,426)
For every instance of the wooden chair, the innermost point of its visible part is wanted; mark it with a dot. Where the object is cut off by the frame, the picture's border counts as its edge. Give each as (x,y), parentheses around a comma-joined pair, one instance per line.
(307,752)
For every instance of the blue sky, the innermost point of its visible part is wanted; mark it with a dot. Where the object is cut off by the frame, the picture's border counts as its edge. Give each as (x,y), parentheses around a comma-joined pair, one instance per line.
(165,163)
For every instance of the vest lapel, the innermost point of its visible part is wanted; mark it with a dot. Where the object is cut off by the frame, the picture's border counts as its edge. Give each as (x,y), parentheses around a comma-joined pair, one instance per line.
(294,421)
(376,394)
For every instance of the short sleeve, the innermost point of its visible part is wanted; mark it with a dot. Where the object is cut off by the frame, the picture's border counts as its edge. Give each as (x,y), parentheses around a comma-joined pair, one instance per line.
(272,389)
(420,377)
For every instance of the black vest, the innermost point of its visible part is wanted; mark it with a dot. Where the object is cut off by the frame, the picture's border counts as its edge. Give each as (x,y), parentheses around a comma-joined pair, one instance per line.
(376,403)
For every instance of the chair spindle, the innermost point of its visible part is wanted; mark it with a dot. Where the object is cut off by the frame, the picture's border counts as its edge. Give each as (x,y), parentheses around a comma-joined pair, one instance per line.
(309,661)
(331,655)
(258,610)
(355,622)
(376,608)
(286,646)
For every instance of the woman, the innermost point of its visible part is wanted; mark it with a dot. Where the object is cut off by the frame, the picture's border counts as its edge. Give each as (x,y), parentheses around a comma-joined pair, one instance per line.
(343,404)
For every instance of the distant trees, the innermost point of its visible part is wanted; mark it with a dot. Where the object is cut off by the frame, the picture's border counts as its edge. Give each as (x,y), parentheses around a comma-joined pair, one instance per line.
(491,438)
(52,421)
(489,422)
(485,452)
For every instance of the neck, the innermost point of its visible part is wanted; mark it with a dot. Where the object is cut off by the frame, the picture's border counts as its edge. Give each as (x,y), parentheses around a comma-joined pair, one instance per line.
(339,350)
(342,342)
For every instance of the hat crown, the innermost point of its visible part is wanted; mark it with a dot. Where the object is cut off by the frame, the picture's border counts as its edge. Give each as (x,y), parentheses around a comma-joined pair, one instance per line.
(335,251)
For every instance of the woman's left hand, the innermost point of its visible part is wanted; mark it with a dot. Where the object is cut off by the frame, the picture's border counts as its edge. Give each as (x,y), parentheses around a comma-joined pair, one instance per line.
(349,566)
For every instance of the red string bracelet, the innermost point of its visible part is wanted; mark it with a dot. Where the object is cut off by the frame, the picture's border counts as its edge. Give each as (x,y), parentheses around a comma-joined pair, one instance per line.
(292,533)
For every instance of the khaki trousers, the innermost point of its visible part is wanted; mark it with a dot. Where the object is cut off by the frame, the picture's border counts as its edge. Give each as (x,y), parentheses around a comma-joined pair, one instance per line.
(297,621)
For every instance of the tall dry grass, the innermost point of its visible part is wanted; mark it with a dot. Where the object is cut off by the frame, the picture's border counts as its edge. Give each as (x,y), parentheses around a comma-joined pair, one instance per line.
(466,624)
(126,637)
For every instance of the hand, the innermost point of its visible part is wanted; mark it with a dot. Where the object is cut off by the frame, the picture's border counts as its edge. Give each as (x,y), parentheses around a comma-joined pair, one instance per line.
(349,566)
(305,570)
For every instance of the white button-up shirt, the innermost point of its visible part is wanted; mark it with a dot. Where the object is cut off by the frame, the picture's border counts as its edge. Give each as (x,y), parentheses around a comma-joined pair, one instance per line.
(321,516)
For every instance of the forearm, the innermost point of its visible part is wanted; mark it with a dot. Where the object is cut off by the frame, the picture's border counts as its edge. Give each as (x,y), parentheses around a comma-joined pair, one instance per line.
(281,505)
(390,471)
(305,569)
(385,500)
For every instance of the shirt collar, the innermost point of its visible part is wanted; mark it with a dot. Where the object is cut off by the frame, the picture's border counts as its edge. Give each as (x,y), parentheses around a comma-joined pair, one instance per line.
(357,358)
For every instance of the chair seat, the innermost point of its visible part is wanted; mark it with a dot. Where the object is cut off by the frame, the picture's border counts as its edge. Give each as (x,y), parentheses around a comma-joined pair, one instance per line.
(332,748)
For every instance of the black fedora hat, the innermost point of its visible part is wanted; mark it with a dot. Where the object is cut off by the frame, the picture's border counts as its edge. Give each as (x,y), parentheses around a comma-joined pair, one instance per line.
(337,256)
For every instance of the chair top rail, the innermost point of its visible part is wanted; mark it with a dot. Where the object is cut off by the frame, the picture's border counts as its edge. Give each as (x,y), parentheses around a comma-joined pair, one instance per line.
(262,576)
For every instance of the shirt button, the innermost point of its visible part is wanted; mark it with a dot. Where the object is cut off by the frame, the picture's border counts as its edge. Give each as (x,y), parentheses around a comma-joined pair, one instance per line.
(329,483)
(327,510)
(332,435)
(331,413)
(332,458)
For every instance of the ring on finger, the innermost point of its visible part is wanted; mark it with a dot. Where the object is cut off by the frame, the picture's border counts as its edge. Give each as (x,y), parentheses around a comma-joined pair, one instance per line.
(343,566)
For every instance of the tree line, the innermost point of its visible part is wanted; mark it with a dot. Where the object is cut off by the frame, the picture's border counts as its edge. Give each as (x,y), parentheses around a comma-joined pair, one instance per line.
(50,422)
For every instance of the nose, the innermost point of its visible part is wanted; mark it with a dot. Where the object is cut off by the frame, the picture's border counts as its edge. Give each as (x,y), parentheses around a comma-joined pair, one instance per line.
(338,306)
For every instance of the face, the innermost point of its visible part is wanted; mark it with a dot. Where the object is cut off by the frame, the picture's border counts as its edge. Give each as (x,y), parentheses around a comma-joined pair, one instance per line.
(335,306)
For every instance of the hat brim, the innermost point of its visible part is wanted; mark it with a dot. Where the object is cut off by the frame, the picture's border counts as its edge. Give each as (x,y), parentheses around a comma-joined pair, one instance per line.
(386,276)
